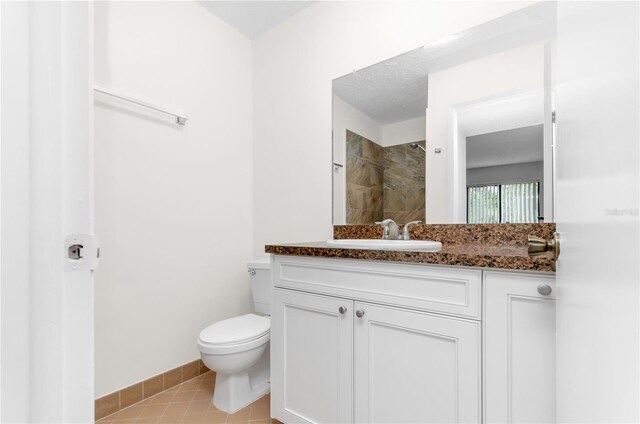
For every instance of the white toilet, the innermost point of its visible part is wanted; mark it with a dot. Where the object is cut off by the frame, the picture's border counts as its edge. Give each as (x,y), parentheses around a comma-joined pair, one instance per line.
(237,349)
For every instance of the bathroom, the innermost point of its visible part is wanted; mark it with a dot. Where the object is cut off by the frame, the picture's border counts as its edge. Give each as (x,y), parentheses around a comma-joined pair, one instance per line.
(179,210)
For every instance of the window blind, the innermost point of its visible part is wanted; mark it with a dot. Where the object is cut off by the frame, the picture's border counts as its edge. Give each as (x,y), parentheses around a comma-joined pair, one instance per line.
(501,203)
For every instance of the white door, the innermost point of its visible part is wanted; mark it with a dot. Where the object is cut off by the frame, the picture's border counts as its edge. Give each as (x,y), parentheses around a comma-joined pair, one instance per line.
(46,194)
(597,212)
(311,352)
(412,367)
(519,348)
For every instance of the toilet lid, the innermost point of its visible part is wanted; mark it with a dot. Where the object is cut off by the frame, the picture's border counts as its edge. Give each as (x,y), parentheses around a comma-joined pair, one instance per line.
(236,330)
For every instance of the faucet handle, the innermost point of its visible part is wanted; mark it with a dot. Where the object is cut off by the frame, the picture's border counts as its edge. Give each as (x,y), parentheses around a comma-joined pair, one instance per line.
(389,229)
(405,230)
(385,222)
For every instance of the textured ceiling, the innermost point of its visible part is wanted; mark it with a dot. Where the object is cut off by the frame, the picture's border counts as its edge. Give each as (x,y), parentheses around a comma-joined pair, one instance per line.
(507,147)
(390,91)
(396,89)
(253,18)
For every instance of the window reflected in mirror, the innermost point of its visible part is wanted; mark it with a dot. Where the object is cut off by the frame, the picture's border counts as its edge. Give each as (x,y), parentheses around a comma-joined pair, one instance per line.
(511,203)
(505,176)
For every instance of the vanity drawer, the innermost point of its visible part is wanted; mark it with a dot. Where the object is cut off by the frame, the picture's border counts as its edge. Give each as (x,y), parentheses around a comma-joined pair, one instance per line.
(452,291)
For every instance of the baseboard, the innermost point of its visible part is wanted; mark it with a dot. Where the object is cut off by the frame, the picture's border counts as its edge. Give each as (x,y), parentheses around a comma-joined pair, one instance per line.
(112,403)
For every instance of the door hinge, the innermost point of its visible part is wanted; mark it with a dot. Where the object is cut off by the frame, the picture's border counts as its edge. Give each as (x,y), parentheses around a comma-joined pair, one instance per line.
(553,117)
(81,252)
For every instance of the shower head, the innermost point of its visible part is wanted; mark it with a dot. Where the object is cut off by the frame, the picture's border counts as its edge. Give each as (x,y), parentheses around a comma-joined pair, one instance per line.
(416,145)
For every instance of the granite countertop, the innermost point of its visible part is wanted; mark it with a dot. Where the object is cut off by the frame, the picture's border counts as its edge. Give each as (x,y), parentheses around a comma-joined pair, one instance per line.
(514,257)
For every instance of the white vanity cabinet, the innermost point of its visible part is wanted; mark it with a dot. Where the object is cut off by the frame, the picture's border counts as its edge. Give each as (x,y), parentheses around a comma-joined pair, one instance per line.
(359,341)
(519,347)
(413,367)
(373,342)
(311,358)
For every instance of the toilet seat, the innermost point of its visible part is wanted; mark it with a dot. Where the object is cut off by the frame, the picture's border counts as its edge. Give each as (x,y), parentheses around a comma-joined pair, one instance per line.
(235,334)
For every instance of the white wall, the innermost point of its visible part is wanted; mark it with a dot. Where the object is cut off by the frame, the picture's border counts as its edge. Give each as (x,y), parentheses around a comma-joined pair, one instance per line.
(294,65)
(173,204)
(347,117)
(509,72)
(504,174)
(404,132)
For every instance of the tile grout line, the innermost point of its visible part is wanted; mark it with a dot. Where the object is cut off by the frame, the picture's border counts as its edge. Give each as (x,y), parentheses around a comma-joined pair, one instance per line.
(192,413)
(106,418)
(194,368)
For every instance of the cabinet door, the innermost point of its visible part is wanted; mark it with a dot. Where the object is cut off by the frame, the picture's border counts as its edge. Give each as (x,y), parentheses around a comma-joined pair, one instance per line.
(414,367)
(311,358)
(519,348)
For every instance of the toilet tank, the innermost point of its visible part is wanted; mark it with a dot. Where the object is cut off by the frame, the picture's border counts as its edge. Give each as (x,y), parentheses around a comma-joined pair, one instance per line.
(260,275)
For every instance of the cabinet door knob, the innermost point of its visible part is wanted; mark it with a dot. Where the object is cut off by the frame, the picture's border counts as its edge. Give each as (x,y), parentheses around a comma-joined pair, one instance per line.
(359,313)
(544,289)
(342,310)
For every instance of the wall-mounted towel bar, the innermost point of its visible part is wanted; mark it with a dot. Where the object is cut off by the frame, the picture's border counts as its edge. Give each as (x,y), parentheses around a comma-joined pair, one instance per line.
(180,119)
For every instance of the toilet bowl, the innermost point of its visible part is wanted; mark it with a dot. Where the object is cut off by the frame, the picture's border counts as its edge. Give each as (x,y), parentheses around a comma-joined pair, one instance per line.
(237,348)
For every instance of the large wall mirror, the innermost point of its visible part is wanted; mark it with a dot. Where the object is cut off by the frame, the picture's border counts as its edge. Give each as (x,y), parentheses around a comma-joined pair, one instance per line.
(457,131)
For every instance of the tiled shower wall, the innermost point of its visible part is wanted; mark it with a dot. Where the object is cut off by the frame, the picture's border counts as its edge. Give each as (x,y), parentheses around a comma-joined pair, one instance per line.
(403,195)
(364,180)
(384,182)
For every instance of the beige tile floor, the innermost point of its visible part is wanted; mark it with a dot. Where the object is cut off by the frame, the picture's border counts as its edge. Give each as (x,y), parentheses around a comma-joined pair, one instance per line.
(189,402)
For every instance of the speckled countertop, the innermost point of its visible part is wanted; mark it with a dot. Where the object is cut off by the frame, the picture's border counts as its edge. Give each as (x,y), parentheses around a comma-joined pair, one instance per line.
(508,251)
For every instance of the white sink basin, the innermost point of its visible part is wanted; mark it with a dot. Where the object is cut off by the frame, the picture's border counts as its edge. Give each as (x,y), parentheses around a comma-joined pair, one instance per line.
(379,244)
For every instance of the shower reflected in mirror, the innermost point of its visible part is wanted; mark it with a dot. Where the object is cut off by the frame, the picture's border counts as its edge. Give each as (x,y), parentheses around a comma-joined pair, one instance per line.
(417,146)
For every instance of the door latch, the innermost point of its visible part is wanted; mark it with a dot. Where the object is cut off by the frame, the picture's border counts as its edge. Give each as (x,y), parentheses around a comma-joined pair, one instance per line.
(81,252)
(75,252)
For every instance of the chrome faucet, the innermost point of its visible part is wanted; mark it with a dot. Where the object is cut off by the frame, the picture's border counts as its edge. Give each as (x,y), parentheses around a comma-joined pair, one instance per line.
(389,229)
(405,230)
